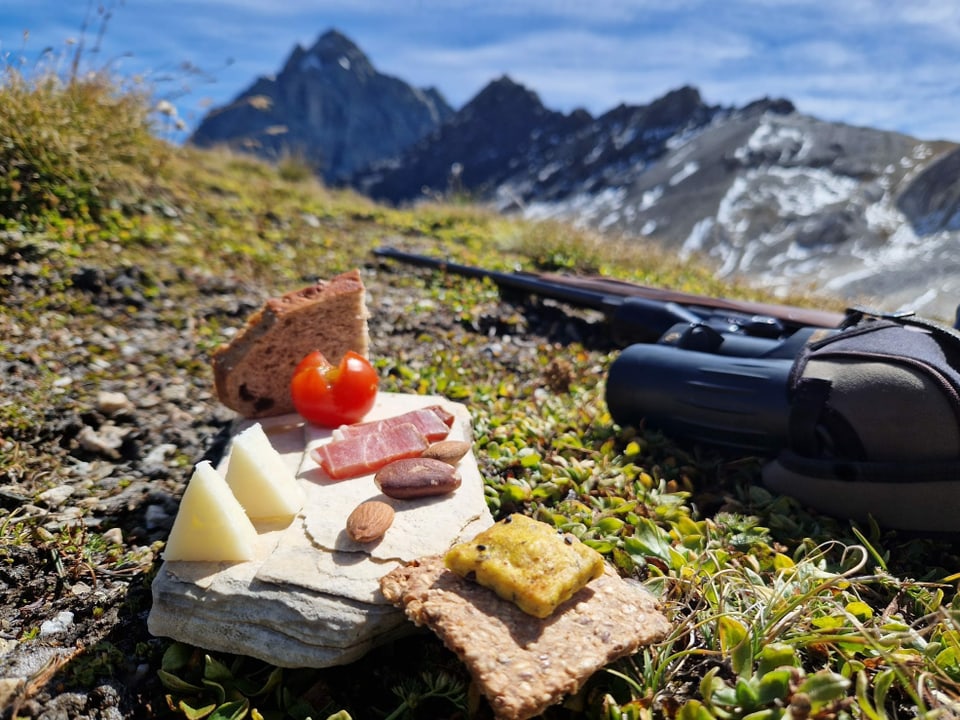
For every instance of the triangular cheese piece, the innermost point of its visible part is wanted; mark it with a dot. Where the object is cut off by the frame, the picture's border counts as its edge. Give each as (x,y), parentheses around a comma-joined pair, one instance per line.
(260,479)
(211,524)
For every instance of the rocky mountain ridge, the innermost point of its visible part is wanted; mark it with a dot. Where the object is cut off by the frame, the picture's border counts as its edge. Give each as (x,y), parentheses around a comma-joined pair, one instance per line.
(763,191)
(330,107)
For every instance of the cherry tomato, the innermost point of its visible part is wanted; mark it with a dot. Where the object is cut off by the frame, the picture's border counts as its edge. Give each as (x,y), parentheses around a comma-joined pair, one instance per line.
(331,395)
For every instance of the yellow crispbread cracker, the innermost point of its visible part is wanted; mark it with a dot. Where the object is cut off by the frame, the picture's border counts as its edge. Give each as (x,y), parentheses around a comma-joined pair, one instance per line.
(527,562)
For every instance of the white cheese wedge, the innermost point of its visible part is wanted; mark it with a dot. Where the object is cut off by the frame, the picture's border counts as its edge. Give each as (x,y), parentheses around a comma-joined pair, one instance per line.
(211,524)
(259,478)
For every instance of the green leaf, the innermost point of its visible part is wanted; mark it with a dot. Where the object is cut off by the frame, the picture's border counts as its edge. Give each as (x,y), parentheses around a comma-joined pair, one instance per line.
(776,655)
(687,526)
(774,685)
(725,696)
(764,714)
(610,525)
(881,686)
(710,684)
(601,546)
(747,697)
(176,657)
(192,713)
(530,460)
(824,686)
(827,622)
(624,561)
(782,562)
(741,658)
(649,539)
(219,691)
(175,684)
(236,710)
(863,701)
(514,493)
(216,671)
(947,660)
(251,688)
(693,710)
(735,642)
(860,610)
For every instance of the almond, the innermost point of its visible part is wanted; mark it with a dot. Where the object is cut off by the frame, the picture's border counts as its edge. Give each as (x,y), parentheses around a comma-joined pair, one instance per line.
(369,521)
(417,477)
(449,451)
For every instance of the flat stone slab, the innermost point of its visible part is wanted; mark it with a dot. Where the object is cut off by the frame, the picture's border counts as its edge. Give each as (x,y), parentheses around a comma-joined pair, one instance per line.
(311,597)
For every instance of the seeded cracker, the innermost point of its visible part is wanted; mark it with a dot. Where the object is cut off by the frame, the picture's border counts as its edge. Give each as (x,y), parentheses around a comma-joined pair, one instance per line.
(523,664)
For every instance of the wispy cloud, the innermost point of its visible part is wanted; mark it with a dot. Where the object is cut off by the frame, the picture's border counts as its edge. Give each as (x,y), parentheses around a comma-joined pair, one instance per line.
(869,62)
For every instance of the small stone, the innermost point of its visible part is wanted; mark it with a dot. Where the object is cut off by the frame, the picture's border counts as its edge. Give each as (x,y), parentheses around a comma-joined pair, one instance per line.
(113,403)
(61,623)
(56,496)
(79,589)
(155,461)
(114,536)
(105,441)
(174,392)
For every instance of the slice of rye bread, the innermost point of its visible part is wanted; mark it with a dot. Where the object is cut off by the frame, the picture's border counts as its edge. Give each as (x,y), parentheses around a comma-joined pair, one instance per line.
(252,372)
(520,663)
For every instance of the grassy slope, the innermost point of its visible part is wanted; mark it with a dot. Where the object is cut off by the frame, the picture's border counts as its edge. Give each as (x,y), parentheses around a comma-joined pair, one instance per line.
(776,612)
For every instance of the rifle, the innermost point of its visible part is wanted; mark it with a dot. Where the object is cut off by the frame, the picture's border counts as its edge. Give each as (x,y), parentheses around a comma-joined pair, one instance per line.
(726,386)
(640,313)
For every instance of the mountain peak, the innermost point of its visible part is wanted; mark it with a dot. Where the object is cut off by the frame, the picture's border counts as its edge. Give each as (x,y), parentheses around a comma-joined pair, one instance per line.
(333,43)
(333,51)
(505,92)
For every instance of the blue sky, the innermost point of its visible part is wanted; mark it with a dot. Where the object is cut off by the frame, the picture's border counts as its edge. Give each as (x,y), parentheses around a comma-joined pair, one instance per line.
(880,63)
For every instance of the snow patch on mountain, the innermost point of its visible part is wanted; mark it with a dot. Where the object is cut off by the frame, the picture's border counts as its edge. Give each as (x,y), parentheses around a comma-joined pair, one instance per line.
(792,142)
(600,209)
(686,171)
(793,192)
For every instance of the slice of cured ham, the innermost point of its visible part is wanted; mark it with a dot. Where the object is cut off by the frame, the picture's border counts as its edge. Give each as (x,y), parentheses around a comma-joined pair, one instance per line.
(443,414)
(367,453)
(434,422)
